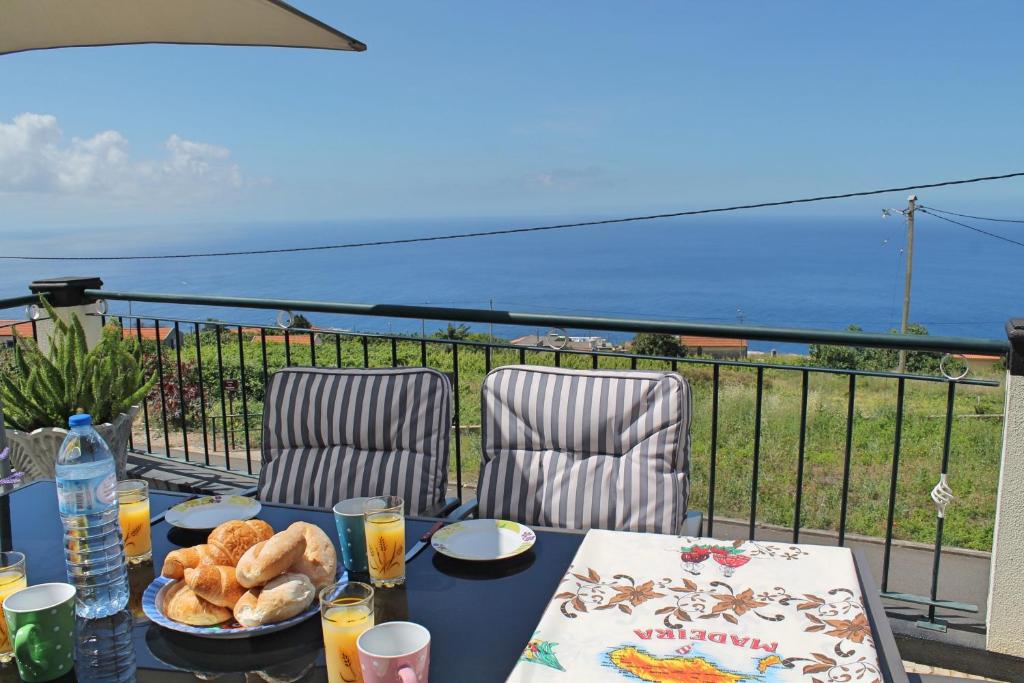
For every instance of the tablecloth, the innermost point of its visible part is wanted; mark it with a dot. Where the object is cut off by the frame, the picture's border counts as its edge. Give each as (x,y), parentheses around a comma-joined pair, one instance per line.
(650,607)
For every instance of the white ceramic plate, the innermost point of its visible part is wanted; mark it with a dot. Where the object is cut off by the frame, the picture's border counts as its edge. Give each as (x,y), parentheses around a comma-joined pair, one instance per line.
(211,511)
(481,540)
(153,601)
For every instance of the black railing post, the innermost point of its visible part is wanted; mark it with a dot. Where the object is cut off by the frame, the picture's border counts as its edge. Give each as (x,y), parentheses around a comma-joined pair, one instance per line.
(801,452)
(202,393)
(890,517)
(758,405)
(713,464)
(844,502)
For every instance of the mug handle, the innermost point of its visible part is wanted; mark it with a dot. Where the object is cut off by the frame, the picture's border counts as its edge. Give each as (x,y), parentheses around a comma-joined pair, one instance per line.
(407,675)
(26,644)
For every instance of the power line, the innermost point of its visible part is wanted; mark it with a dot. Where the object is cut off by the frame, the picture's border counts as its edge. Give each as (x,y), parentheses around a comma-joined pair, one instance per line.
(511,231)
(971,227)
(977,218)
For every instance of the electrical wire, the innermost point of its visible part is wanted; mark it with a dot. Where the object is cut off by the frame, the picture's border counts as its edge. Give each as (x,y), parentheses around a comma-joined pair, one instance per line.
(971,227)
(977,218)
(511,231)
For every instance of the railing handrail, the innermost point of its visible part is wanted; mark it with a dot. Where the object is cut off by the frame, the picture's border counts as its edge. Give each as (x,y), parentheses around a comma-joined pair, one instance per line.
(908,342)
(14,301)
(508,346)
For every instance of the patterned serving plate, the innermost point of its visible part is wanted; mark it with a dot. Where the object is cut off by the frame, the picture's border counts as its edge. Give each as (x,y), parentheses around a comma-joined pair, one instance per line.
(483,540)
(209,512)
(152,605)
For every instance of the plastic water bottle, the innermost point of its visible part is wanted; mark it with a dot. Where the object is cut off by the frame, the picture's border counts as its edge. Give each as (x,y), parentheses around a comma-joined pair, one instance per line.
(104,652)
(87,498)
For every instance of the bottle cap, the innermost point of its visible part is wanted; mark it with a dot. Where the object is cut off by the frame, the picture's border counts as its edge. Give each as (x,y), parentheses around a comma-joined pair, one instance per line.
(80,420)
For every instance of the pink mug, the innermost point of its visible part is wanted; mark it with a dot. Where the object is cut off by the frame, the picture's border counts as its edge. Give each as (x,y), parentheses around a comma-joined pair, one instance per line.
(394,652)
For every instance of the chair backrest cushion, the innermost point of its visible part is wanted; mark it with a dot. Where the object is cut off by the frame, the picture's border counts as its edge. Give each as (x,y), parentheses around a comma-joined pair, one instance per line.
(331,434)
(585,448)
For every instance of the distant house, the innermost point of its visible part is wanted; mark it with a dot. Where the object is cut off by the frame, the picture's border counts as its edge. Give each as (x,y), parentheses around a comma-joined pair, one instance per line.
(715,347)
(978,363)
(167,336)
(558,341)
(8,328)
(299,339)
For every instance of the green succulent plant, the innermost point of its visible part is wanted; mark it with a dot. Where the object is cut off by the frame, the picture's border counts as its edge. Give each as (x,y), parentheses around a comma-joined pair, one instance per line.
(45,389)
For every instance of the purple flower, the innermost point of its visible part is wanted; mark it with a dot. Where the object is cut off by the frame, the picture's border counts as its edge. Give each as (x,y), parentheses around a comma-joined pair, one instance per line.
(4,453)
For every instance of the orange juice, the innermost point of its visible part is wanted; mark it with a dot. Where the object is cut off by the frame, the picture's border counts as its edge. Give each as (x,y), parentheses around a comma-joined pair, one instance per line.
(343,623)
(11,582)
(135,529)
(385,548)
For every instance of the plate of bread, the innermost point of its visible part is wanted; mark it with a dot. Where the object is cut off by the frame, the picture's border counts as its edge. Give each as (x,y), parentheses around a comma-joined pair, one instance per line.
(244,581)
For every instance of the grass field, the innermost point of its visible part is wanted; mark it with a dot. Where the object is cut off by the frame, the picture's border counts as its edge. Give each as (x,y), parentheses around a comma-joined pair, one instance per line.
(974,455)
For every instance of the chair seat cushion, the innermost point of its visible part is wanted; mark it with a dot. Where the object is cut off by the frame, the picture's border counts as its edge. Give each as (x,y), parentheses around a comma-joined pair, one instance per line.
(331,434)
(550,488)
(320,477)
(585,449)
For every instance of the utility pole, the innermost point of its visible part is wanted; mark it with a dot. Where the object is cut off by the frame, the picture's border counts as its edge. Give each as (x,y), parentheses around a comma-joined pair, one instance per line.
(909,213)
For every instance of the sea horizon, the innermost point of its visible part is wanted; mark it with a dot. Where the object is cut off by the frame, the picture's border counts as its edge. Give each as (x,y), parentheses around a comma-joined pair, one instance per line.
(808,272)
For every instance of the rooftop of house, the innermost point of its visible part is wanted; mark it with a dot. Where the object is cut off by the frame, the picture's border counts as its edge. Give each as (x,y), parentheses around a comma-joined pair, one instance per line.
(9,327)
(691,341)
(146,333)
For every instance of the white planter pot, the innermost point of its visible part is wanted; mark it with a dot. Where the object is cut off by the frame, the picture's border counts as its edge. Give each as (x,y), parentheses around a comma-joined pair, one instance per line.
(35,453)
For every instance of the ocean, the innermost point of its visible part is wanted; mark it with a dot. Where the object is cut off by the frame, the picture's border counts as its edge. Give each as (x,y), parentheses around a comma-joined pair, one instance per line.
(800,272)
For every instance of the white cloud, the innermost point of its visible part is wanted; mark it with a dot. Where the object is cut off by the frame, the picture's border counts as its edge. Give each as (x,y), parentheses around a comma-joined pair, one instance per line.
(35,158)
(567,179)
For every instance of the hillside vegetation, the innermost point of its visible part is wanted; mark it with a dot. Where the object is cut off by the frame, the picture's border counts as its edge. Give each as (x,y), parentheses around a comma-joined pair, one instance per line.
(974,455)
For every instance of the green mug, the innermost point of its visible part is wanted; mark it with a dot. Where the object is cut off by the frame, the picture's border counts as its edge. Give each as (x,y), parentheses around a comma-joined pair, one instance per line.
(41,621)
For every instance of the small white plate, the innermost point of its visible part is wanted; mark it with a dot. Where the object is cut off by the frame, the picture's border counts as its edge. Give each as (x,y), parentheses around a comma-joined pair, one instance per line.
(211,511)
(481,540)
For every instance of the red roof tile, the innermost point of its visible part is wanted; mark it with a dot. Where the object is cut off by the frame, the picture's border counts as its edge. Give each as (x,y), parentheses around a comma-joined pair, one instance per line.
(713,342)
(9,327)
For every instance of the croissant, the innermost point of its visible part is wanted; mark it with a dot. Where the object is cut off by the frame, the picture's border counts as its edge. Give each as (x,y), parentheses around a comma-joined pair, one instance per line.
(215,584)
(183,605)
(178,560)
(235,537)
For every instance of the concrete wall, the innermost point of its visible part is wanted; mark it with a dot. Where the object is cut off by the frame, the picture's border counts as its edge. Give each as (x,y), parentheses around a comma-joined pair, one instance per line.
(1006,596)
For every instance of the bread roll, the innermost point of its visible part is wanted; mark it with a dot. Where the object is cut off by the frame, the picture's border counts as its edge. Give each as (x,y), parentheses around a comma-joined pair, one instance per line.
(182,605)
(235,537)
(269,558)
(319,561)
(282,598)
(245,608)
(216,584)
(178,560)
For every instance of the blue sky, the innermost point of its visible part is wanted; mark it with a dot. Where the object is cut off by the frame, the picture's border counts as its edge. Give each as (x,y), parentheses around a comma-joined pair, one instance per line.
(524,109)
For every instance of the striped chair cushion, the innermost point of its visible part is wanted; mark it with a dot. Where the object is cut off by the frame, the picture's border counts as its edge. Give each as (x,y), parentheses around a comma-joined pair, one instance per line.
(335,434)
(585,448)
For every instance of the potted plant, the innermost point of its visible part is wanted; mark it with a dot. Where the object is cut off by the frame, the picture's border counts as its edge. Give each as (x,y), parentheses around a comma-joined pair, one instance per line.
(106,381)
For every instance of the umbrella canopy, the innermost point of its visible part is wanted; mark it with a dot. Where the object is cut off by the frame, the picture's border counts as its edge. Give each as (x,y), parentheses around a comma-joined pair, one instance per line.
(44,24)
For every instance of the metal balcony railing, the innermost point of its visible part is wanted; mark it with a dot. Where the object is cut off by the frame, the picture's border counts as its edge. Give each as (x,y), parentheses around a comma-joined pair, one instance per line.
(212,373)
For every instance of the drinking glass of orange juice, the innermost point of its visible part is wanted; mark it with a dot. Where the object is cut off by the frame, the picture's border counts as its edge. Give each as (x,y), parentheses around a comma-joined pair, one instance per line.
(385,540)
(346,610)
(12,580)
(133,511)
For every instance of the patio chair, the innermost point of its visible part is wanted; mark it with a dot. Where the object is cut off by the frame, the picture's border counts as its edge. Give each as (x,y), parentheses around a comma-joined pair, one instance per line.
(332,434)
(585,449)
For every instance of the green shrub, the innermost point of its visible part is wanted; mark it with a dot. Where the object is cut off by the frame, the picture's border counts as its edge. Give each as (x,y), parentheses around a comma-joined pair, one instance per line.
(45,389)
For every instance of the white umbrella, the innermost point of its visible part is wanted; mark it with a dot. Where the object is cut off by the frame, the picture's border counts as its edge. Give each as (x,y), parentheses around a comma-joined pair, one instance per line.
(44,24)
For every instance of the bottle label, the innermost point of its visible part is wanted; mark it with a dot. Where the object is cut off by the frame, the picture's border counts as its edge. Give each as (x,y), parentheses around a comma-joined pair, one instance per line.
(86,496)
